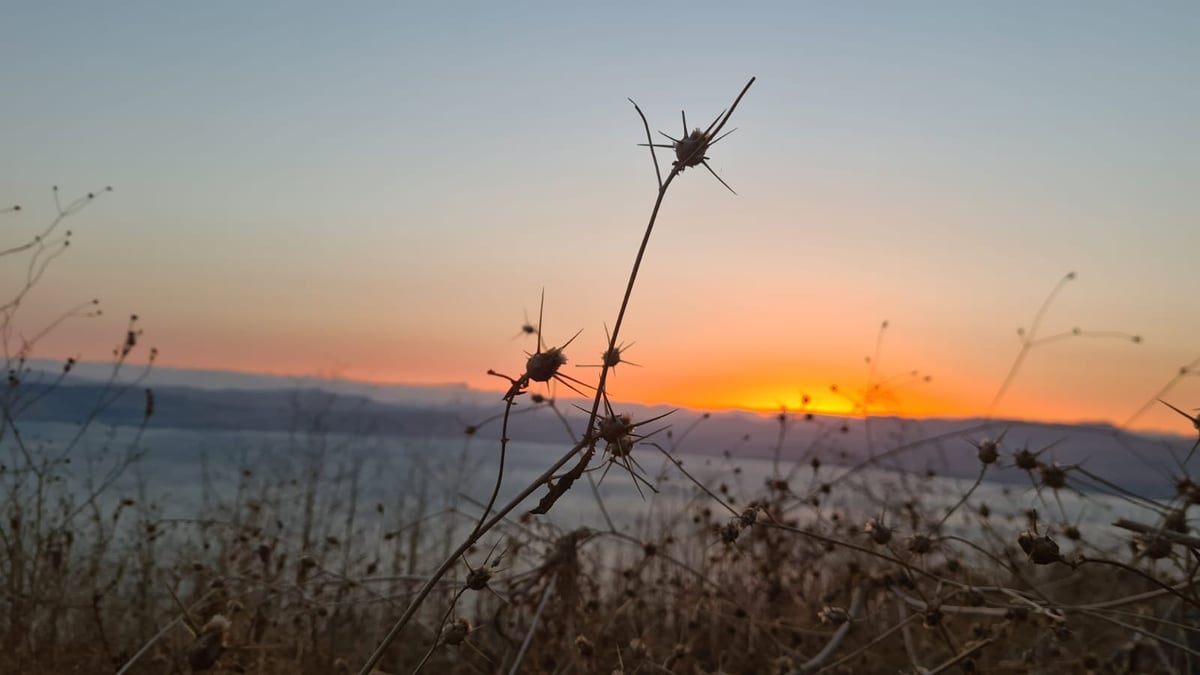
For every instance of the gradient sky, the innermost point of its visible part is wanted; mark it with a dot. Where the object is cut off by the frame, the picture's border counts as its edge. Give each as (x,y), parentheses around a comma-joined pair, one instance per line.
(381,191)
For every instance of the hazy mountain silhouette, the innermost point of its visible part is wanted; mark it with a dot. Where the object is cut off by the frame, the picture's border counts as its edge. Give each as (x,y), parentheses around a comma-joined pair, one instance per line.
(217,400)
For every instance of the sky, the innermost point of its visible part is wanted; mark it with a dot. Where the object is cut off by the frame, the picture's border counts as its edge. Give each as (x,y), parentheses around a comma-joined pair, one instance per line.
(384,191)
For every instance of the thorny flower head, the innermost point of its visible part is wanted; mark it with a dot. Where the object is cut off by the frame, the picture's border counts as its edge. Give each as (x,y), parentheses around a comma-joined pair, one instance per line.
(544,365)
(618,434)
(1054,476)
(988,450)
(691,147)
(612,356)
(541,366)
(618,431)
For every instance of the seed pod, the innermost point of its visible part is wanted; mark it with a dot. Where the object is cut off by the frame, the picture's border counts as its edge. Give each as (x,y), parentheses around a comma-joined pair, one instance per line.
(1041,550)
(456,631)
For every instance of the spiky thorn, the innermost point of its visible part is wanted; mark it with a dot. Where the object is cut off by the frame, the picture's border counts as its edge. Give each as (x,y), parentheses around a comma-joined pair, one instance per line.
(1194,419)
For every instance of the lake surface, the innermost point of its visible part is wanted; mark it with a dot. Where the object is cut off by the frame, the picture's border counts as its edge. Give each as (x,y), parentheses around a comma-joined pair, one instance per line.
(192,474)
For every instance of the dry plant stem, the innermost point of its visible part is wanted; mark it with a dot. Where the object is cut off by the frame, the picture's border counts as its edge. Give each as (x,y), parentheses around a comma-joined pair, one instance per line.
(1143,631)
(879,638)
(452,559)
(905,448)
(1128,495)
(922,606)
(1027,340)
(588,440)
(150,643)
(961,656)
(600,503)
(183,616)
(679,465)
(437,633)
(984,552)
(838,636)
(770,520)
(532,629)
(591,481)
(1175,537)
(1149,577)
(1184,371)
(906,631)
(1173,609)
(963,500)
(508,404)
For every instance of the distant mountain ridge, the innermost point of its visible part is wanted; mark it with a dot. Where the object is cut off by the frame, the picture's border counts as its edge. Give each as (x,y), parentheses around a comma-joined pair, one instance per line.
(236,401)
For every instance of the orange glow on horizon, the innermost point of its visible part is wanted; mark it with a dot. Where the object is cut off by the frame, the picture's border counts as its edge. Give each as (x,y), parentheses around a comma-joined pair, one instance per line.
(942,398)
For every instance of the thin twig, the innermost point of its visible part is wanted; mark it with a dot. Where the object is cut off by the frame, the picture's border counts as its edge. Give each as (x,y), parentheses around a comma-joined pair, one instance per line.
(532,629)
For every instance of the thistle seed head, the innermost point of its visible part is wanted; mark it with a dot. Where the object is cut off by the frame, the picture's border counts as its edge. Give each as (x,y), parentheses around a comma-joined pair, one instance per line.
(1025,459)
(622,448)
(1054,476)
(544,365)
(478,578)
(689,151)
(612,357)
(989,451)
(612,427)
